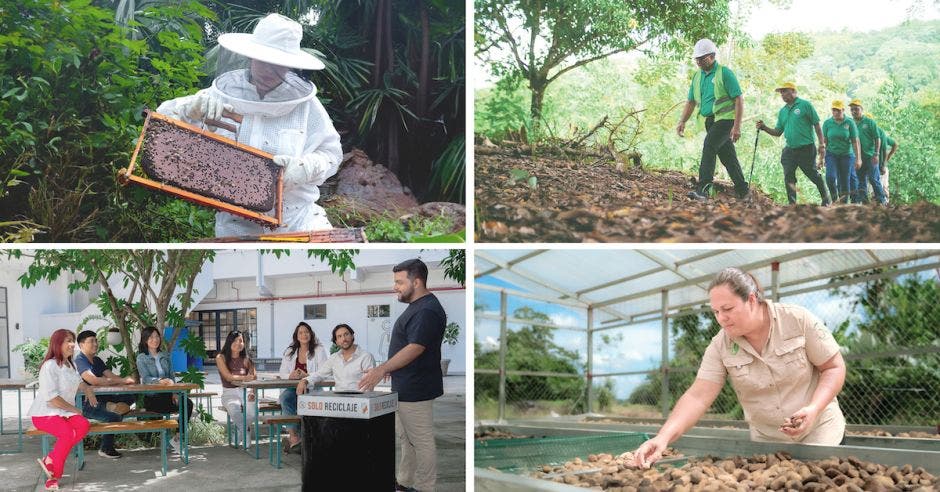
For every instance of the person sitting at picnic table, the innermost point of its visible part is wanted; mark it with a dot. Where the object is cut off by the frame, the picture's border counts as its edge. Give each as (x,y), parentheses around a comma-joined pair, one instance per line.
(53,410)
(304,355)
(235,366)
(110,408)
(153,364)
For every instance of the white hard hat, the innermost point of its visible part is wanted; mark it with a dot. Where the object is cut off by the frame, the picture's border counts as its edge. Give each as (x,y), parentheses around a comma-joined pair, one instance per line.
(704,47)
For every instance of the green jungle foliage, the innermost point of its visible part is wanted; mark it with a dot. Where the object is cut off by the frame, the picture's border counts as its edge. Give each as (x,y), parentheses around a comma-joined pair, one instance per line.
(75,76)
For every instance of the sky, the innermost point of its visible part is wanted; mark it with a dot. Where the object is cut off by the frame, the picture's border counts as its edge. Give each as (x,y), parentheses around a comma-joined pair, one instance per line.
(835,15)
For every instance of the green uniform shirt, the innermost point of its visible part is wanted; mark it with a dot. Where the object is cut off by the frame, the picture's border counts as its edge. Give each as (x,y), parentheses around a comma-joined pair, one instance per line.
(867,134)
(886,143)
(707,86)
(796,121)
(840,136)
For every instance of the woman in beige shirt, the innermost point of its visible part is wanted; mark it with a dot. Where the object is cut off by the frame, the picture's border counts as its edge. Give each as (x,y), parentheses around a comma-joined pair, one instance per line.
(783,363)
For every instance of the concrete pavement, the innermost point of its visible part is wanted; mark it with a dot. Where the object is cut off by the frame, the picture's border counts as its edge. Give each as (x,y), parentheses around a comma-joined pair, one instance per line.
(214,467)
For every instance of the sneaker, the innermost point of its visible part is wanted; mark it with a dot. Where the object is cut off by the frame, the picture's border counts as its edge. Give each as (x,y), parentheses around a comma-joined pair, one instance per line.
(52,484)
(401,488)
(695,195)
(175,444)
(110,453)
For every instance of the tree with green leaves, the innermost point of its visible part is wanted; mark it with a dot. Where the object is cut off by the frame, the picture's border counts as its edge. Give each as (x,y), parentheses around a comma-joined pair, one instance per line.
(899,316)
(533,348)
(161,286)
(541,41)
(692,333)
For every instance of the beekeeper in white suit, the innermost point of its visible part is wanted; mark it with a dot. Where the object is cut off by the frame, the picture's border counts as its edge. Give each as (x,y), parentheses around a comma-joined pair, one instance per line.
(282,116)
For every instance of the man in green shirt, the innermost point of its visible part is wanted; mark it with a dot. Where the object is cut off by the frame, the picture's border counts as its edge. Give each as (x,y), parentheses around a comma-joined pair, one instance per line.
(716,91)
(796,122)
(884,157)
(870,144)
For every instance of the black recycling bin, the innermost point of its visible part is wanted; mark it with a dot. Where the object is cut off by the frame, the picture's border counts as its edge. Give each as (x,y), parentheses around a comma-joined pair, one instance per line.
(343,429)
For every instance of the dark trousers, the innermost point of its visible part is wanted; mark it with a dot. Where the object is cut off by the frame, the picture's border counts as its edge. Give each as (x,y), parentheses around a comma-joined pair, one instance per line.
(100,414)
(803,158)
(718,144)
(163,403)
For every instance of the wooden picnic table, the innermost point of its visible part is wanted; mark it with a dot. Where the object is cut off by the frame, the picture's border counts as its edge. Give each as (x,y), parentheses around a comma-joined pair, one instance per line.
(19,386)
(182,389)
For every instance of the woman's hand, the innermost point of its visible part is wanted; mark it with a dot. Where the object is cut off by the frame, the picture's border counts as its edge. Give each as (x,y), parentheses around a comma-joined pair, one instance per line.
(251,396)
(650,452)
(176,400)
(165,382)
(800,422)
(301,387)
(249,377)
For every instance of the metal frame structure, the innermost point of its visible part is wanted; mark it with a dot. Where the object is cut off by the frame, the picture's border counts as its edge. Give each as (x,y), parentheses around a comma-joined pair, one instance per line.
(685,272)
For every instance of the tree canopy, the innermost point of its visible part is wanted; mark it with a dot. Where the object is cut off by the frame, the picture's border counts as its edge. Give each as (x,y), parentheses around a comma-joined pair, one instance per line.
(539,41)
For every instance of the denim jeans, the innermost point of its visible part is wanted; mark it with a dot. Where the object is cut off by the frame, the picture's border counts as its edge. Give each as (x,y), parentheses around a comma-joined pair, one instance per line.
(718,144)
(288,401)
(100,414)
(839,170)
(870,173)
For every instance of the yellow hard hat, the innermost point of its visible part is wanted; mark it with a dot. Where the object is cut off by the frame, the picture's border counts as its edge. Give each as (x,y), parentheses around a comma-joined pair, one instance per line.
(838,104)
(856,102)
(785,85)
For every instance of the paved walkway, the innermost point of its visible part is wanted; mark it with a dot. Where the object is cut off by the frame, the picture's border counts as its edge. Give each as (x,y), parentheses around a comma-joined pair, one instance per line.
(215,467)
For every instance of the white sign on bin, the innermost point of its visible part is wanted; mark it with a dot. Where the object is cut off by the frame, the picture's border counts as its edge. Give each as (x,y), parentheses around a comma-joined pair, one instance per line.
(366,405)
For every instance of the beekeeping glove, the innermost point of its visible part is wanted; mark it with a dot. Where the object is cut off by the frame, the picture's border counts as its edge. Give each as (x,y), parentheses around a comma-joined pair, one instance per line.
(307,169)
(204,106)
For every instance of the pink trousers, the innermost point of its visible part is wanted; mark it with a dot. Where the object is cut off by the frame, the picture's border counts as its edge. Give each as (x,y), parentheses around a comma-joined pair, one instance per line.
(68,431)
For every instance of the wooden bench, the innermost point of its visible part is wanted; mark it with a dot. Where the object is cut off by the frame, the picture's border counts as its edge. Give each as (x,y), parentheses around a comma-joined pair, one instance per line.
(126,427)
(275,423)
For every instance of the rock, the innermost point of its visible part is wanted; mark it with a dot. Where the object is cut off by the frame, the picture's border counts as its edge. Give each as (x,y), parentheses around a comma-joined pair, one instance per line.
(366,190)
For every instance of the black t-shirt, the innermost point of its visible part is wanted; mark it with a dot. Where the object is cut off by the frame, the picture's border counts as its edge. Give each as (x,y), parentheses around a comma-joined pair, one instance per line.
(422,323)
(96,366)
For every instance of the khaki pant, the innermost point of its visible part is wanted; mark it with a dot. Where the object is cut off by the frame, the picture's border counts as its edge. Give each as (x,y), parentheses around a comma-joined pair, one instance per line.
(414,422)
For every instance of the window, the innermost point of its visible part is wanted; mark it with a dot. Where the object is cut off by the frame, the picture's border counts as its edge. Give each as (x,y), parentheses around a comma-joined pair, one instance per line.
(214,326)
(378,311)
(314,311)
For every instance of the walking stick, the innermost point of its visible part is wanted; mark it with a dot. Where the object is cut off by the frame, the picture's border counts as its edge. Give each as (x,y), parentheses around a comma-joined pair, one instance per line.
(751,177)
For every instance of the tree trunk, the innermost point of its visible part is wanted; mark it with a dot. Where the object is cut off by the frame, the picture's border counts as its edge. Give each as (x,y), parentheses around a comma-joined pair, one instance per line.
(424,82)
(535,108)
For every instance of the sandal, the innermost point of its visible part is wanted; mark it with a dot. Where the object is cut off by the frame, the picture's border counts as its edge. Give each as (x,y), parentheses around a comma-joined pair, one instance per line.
(52,484)
(293,447)
(45,468)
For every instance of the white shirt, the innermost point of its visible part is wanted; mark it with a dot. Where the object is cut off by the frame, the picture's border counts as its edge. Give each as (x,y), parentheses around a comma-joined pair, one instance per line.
(55,380)
(314,361)
(346,373)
